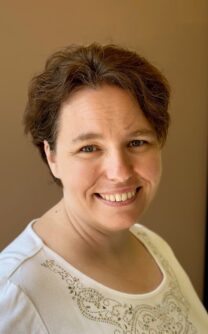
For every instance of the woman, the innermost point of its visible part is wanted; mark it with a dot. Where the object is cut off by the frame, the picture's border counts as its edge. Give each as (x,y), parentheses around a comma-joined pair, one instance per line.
(98,116)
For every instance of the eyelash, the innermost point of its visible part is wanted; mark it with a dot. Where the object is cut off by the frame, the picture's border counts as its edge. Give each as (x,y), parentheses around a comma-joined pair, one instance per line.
(94,148)
(140,142)
(85,149)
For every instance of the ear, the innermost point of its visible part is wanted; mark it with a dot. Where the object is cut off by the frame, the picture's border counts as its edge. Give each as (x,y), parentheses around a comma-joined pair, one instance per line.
(51,159)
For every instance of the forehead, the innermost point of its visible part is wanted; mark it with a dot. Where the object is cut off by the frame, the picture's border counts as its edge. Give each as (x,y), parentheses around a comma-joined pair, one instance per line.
(103,107)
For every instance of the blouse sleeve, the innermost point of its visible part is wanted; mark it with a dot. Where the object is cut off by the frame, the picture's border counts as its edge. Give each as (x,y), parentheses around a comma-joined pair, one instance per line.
(17,312)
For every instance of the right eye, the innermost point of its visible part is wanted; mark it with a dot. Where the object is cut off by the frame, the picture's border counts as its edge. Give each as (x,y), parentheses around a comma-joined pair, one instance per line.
(137,143)
(88,149)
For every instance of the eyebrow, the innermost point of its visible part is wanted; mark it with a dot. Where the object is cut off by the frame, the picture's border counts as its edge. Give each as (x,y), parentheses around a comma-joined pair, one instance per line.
(144,131)
(94,135)
(87,136)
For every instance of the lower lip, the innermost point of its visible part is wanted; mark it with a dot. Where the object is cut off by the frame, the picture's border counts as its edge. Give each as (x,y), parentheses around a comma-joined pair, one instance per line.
(119,204)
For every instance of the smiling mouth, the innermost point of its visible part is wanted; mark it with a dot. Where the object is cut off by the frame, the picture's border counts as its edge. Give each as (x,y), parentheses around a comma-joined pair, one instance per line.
(125,197)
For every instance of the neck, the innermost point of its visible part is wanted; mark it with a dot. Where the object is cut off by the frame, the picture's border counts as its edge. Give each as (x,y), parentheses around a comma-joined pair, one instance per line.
(90,240)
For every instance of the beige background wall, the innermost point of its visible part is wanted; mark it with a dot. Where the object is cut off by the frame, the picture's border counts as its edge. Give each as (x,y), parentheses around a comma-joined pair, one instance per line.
(173,35)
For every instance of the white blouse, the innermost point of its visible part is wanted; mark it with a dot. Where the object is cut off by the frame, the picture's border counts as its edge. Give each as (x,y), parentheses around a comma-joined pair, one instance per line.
(42,293)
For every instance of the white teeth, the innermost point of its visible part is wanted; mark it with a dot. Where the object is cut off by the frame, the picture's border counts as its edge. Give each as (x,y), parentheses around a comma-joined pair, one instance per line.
(129,195)
(118,197)
(112,198)
(124,197)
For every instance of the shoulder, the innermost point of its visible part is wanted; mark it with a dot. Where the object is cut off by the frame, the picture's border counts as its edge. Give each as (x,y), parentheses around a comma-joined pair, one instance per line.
(160,249)
(24,247)
(17,312)
(151,237)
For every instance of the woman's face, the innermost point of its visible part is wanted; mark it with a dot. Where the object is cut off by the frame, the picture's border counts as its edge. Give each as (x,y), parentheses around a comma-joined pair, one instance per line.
(107,157)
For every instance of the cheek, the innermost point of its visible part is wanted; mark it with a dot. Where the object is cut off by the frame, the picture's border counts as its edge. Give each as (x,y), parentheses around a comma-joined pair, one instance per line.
(78,174)
(152,168)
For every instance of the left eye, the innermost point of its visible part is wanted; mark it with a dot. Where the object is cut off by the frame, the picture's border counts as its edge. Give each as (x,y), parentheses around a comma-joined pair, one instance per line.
(88,149)
(137,143)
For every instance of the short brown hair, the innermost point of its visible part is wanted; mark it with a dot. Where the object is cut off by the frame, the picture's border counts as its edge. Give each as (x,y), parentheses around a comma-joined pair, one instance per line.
(79,66)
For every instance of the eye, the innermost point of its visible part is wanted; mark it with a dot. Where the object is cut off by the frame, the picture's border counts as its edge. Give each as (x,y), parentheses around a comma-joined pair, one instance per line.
(88,149)
(137,143)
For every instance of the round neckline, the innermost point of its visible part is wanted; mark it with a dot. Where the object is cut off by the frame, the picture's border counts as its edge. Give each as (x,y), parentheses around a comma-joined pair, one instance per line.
(82,276)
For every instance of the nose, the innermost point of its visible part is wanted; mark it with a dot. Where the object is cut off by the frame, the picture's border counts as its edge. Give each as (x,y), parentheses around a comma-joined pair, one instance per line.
(118,167)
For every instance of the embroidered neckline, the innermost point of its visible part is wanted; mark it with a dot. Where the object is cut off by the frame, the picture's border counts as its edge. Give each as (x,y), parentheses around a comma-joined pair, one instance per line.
(168,315)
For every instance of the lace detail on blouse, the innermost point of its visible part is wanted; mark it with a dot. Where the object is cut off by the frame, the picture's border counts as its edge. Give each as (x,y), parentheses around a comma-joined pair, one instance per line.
(170,315)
